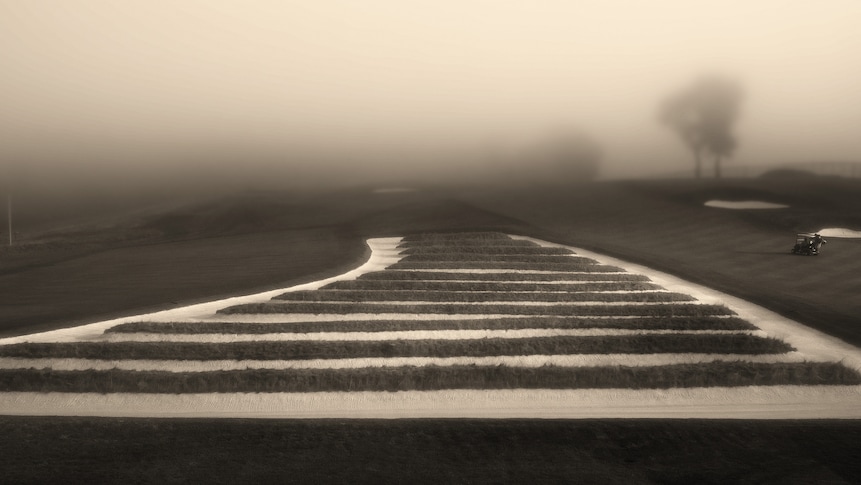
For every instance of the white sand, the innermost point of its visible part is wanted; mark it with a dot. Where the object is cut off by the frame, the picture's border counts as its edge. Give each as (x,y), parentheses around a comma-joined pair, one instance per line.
(744,204)
(839,232)
(766,402)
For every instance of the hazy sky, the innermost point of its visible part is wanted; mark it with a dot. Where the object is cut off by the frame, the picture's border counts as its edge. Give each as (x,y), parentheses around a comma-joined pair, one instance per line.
(153,81)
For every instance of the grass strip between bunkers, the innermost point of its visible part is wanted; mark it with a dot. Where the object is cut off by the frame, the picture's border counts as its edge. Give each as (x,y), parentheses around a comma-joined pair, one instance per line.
(644,310)
(394,275)
(477,297)
(714,374)
(571,265)
(379,285)
(695,323)
(351,349)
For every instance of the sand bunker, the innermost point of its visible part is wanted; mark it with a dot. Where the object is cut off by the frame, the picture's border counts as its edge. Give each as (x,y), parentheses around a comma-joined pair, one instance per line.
(744,204)
(839,232)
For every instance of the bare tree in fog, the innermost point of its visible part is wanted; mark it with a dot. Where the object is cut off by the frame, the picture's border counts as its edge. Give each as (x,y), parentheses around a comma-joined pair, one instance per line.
(703,115)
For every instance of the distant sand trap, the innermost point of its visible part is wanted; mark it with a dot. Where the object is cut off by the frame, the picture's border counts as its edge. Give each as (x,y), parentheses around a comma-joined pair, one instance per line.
(839,232)
(744,204)
(393,190)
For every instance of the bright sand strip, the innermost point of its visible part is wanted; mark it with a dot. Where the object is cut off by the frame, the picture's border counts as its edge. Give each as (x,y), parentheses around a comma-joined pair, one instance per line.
(839,232)
(578,360)
(767,402)
(763,402)
(744,204)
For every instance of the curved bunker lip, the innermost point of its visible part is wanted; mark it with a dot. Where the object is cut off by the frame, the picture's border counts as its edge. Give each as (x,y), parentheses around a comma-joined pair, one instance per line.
(744,204)
(841,232)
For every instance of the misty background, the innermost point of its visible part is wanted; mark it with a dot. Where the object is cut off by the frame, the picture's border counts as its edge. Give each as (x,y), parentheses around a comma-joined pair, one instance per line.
(123,95)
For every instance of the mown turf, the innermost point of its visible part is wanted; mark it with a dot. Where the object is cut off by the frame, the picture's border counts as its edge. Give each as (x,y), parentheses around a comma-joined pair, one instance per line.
(420,451)
(477,297)
(395,275)
(304,349)
(698,323)
(486,286)
(391,379)
(485,250)
(666,309)
(472,258)
(574,265)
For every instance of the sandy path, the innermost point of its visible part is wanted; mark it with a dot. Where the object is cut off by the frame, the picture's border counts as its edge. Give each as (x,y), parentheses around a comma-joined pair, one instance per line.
(766,402)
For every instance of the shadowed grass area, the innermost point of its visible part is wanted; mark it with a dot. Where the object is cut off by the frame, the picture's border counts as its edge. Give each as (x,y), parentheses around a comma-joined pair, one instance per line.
(305,349)
(486,286)
(573,265)
(714,374)
(477,297)
(700,323)
(395,275)
(667,310)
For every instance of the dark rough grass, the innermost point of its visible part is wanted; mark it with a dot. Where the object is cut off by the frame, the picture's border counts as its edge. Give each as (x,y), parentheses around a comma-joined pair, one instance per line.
(300,350)
(420,451)
(477,297)
(391,379)
(698,323)
(487,286)
(395,275)
(573,265)
(674,309)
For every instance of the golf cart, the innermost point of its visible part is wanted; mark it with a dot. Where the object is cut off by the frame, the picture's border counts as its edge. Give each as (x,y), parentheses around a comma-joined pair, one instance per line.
(808,244)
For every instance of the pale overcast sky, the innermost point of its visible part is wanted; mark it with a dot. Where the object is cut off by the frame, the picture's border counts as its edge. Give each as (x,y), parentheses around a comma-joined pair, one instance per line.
(128,81)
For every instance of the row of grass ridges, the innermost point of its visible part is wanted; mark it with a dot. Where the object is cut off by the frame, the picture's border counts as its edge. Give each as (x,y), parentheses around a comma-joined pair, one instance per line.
(572,266)
(640,310)
(398,275)
(428,378)
(482,286)
(485,250)
(353,349)
(472,258)
(516,323)
(378,296)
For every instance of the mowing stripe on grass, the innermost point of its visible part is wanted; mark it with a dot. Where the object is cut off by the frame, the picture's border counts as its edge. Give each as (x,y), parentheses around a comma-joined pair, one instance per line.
(722,374)
(301,350)
(493,276)
(478,297)
(581,360)
(524,308)
(696,323)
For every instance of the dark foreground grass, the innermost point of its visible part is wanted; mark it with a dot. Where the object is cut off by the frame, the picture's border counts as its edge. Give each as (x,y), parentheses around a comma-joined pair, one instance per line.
(351,349)
(657,310)
(395,275)
(487,286)
(478,297)
(427,378)
(698,323)
(228,451)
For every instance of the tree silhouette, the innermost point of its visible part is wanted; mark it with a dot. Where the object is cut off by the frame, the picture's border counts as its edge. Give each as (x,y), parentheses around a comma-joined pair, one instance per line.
(703,115)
